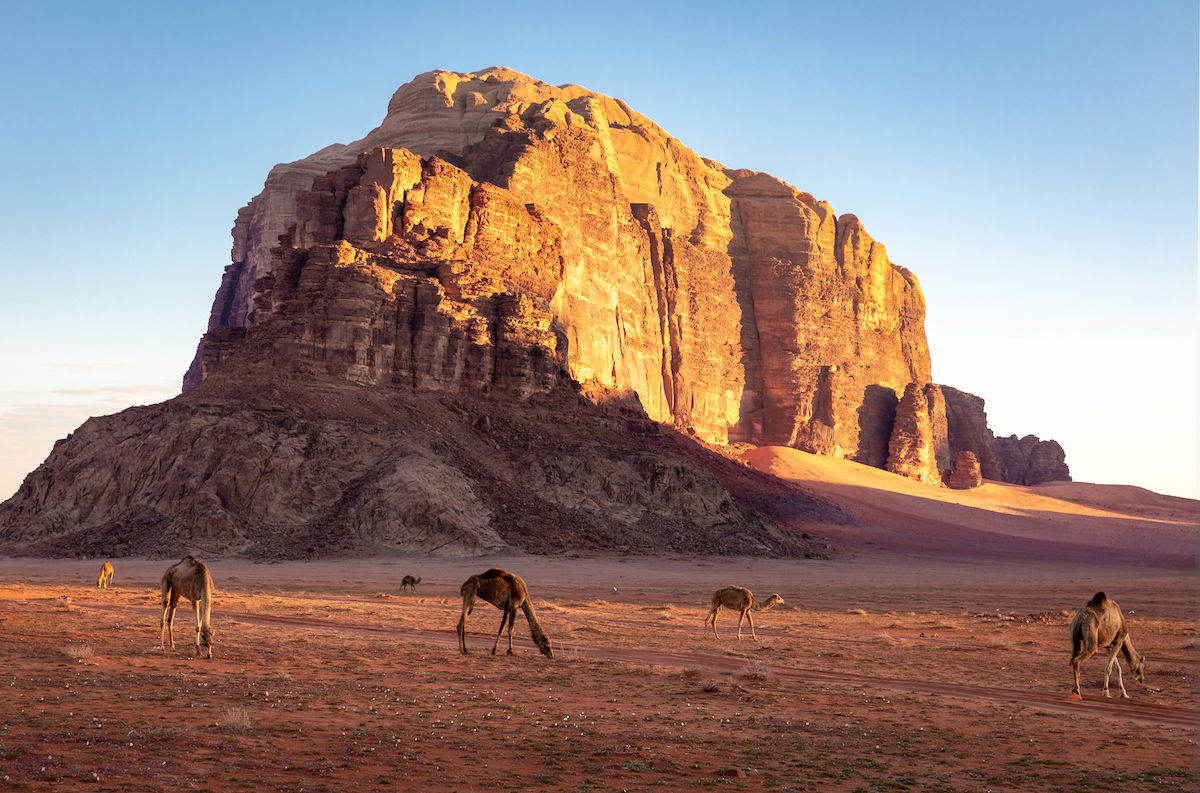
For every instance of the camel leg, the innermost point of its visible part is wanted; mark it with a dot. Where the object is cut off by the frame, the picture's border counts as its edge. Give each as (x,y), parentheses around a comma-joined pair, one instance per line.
(168,622)
(1075,671)
(196,608)
(750,616)
(1114,660)
(712,617)
(512,618)
(503,621)
(741,617)
(1112,657)
(462,629)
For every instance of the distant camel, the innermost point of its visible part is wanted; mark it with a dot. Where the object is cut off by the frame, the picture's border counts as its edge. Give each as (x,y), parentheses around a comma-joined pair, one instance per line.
(506,592)
(188,578)
(106,574)
(408,582)
(742,599)
(1101,624)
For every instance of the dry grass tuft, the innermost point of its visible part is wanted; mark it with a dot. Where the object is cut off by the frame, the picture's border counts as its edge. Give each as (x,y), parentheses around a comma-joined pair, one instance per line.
(859,612)
(756,670)
(890,640)
(235,717)
(79,651)
(569,652)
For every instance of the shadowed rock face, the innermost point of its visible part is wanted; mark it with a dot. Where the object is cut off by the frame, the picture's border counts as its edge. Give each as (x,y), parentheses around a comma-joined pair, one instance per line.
(547,259)
(289,468)
(1032,461)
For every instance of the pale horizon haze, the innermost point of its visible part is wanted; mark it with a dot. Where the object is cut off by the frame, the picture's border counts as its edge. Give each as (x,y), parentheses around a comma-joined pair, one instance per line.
(1033,163)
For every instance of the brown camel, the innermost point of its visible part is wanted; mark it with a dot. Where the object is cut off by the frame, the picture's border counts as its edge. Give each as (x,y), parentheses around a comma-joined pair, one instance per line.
(189,578)
(408,582)
(742,599)
(508,593)
(106,575)
(1102,624)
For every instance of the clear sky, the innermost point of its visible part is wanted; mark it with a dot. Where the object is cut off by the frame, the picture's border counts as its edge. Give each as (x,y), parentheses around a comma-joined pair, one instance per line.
(1034,163)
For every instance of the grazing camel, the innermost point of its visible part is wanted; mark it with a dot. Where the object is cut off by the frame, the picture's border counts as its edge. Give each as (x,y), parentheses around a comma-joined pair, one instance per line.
(742,599)
(1101,624)
(106,575)
(189,578)
(506,592)
(408,582)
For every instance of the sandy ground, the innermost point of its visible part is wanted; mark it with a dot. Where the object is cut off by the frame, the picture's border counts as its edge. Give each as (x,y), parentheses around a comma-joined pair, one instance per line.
(873,677)
(930,654)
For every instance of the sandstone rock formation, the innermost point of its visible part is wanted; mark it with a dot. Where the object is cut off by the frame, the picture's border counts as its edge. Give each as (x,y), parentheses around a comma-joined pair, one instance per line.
(534,255)
(968,430)
(966,473)
(919,442)
(729,303)
(1031,461)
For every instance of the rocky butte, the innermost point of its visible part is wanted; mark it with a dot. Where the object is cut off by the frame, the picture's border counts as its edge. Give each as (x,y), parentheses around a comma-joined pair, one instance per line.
(520,315)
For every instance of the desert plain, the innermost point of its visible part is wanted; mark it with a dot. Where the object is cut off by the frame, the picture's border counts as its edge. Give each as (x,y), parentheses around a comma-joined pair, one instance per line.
(929,652)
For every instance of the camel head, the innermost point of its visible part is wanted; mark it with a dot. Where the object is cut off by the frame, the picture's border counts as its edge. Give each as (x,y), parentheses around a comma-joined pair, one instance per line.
(774,600)
(206,642)
(543,643)
(1138,666)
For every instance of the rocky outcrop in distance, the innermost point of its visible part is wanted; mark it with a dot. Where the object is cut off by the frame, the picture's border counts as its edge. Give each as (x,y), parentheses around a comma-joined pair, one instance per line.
(966,474)
(499,239)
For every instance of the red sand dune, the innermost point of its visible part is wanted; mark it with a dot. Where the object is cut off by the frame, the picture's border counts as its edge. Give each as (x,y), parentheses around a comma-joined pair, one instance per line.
(1070,520)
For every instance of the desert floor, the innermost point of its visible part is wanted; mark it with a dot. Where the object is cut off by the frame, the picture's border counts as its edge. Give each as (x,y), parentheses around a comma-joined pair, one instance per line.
(882,672)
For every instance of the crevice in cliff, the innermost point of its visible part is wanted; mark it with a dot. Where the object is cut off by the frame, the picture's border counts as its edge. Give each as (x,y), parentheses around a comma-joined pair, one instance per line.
(233,276)
(671,283)
(750,425)
(399,375)
(666,285)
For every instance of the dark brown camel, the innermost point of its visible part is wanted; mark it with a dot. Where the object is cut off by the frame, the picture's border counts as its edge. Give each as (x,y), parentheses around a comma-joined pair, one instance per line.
(508,593)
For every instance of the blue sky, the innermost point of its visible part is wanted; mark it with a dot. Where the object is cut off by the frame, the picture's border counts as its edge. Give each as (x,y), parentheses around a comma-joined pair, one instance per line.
(1033,162)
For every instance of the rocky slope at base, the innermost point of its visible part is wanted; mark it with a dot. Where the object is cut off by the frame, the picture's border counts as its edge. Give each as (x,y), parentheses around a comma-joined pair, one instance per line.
(282,469)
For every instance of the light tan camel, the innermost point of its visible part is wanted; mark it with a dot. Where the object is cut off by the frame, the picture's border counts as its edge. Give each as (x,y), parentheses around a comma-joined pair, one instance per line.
(188,578)
(106,575)
(742,599)
(408,582)
(1102,624)
(508,593)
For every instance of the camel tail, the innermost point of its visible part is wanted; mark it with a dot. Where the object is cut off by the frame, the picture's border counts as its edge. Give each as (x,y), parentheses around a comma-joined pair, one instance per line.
(1076,645)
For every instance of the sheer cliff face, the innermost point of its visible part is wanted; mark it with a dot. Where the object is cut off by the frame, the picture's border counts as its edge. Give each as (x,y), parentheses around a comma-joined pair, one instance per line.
(559,229)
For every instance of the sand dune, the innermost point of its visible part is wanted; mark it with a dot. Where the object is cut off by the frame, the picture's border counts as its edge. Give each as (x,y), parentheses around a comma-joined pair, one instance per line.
(1073,520)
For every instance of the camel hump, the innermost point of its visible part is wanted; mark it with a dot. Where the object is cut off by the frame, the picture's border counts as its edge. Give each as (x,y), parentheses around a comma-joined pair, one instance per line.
(1097,600)
(495,572)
